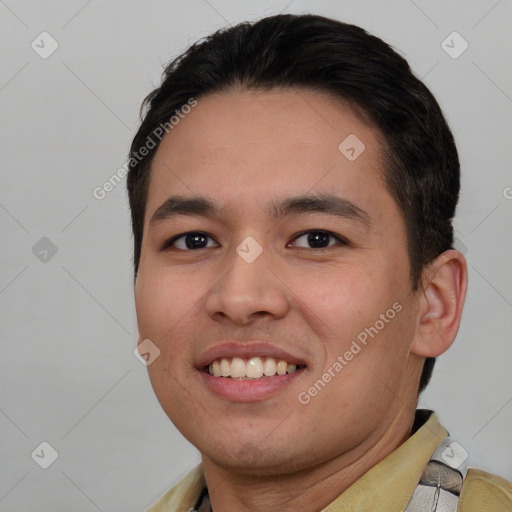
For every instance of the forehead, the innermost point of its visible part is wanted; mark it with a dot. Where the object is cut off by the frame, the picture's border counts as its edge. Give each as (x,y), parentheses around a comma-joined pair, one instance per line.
(248,145)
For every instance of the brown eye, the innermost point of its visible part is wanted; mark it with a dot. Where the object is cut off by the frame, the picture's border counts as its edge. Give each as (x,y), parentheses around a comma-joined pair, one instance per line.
(319,238)
(191,241)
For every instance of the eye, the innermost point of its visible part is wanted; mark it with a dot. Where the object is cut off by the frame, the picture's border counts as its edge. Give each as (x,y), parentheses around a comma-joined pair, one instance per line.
(192,240)
(198,240)
(319,238)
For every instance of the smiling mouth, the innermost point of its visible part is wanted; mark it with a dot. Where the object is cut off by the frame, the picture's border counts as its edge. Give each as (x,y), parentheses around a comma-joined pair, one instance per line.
(251,368)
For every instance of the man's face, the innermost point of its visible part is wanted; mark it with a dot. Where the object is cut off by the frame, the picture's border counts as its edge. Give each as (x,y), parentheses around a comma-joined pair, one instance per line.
(214,295)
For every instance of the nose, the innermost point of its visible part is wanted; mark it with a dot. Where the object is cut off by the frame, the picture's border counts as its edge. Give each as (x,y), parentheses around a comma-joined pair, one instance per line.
(248,291)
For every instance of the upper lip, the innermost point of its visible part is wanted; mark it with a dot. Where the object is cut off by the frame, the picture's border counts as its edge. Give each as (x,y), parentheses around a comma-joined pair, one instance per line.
(246,350)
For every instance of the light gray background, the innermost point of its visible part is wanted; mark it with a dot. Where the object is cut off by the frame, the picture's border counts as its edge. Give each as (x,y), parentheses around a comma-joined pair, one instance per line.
(68,327)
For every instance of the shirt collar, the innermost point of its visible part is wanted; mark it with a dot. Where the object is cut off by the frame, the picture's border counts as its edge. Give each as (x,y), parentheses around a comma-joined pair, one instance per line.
(390,484)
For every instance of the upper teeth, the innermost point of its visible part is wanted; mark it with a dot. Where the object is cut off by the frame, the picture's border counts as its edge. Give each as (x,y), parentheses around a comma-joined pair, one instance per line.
(253,368)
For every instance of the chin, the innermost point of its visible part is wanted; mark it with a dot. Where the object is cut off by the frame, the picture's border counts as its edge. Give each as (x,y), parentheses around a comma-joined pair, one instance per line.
(252,459)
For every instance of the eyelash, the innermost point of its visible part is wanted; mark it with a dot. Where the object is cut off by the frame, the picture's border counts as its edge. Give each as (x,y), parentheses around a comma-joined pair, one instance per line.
(340,239)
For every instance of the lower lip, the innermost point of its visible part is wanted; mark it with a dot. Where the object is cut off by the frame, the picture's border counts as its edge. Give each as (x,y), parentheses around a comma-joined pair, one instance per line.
(248,390)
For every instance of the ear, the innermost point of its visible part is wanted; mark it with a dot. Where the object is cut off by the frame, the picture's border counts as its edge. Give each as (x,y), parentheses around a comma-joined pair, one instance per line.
(444,285)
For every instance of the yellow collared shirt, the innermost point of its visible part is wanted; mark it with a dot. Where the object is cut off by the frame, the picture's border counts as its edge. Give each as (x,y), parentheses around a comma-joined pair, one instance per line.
(387,487)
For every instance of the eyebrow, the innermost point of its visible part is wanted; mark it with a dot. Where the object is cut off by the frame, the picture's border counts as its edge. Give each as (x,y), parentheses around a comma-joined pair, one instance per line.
(329,204)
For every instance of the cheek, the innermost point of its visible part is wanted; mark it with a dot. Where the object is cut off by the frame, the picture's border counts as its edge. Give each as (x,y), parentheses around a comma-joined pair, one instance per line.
(360,309)
(163,299)
(162,309)
(362,380)
(175,398)
(343,297)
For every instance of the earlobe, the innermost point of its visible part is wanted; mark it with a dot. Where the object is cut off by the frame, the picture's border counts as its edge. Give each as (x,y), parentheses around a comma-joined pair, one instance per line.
(441,303)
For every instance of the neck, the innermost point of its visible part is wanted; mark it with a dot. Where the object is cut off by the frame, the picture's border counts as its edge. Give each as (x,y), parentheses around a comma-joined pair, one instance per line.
(310,489)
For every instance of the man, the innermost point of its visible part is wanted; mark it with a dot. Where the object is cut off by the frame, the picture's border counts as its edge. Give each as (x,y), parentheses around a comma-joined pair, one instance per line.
(292,189)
